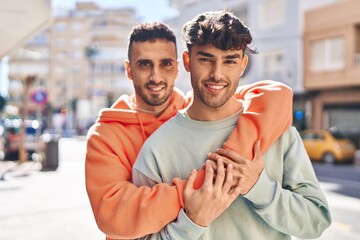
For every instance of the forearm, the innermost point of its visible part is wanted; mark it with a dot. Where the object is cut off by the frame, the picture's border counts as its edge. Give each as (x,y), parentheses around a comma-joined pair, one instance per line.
(290,211)
(293,202)
(122,210)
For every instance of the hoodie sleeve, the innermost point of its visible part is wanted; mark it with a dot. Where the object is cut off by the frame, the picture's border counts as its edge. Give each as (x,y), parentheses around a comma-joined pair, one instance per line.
(122,210)
(266,116)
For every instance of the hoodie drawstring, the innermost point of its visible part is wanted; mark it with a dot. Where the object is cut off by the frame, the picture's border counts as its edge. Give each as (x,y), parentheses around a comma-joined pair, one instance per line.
(141,126)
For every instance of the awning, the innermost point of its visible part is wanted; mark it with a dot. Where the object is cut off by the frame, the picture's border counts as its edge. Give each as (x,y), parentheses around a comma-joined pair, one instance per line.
(20,20)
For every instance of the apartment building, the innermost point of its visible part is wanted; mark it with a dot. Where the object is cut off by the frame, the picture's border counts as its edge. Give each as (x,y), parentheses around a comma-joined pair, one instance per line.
(32,59)
(79,61)
(89,46)
(332,67)
(277,30)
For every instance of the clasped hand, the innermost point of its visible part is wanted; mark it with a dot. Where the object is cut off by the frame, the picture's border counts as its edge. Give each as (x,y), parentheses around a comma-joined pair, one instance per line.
(228,174)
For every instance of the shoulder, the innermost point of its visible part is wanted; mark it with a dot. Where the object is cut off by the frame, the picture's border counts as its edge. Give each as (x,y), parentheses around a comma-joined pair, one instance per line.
(289,137)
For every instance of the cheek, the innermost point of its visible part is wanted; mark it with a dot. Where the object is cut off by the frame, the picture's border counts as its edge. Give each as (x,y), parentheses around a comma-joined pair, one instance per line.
(199,73)
(170,74)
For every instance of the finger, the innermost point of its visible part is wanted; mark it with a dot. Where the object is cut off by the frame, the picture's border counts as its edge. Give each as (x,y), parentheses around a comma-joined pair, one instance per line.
(229,178)
(213,165)
(209,174)
(189,186)
(220,175)
(229,154)
(257,150)
(237,190)
(213,156)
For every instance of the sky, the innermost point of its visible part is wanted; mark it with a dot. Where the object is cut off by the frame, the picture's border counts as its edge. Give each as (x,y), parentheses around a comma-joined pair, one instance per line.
(149,10)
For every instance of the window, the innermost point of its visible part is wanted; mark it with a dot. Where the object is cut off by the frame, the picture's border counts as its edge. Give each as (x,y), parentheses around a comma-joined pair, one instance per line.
(76,27)
(60,27)
(271,13)
(76,41)
(273,65)
(328,54)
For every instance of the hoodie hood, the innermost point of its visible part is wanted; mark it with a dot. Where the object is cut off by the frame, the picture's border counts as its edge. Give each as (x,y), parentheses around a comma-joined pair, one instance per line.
(121,110)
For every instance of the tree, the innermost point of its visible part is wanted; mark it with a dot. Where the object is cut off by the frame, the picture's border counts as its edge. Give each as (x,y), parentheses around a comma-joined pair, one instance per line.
(3,102)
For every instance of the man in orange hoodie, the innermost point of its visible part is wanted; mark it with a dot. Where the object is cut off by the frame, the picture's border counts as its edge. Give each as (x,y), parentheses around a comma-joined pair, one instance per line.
(121,209)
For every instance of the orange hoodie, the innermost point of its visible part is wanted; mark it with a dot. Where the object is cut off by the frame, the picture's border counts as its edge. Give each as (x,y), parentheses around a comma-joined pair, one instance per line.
(124,211)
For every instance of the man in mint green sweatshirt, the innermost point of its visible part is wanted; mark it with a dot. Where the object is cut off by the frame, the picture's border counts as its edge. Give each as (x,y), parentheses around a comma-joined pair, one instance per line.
(280,196)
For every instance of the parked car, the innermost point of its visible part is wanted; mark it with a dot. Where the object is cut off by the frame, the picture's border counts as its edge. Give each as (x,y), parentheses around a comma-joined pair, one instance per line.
(11,137)
(322,145)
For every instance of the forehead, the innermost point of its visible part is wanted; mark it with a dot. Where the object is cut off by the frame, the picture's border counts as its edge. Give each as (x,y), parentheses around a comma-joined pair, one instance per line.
(215,52)
(153,50)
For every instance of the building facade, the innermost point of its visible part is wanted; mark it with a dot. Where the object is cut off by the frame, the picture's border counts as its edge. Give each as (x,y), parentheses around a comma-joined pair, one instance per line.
(79,61)
(332,67)
(277,29)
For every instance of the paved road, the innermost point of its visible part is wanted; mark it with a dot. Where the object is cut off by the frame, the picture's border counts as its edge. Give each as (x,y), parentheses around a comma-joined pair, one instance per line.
(54,205)
(49,205)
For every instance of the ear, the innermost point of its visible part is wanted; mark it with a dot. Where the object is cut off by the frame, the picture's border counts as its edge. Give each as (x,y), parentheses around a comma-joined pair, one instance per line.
(244,63)
(128,69)
(186,60)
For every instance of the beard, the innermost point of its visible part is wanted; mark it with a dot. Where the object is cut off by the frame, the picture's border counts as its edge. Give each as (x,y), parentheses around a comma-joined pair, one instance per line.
(154,99)
(213,100)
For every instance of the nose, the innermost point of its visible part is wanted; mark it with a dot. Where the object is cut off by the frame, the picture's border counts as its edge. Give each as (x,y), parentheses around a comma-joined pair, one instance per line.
(216,72)
(155,74)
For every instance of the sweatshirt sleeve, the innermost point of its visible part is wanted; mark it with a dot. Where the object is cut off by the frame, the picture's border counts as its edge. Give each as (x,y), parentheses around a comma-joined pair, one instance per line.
(122,210)
(296,205)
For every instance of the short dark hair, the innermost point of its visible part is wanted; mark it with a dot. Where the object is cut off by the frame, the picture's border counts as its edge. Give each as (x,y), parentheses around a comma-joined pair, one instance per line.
(222,29)
(143,32)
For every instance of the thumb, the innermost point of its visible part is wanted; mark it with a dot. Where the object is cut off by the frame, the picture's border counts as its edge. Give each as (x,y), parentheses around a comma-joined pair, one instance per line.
(189,186)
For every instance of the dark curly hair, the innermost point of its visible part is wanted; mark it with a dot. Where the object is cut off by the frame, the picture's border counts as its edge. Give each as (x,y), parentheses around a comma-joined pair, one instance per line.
(143,32)
(222,29)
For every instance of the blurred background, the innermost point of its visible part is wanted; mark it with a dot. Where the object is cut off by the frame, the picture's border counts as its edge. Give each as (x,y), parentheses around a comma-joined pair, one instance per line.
(61,61)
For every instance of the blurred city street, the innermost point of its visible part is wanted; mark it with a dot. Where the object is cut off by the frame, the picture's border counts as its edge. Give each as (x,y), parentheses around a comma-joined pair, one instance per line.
(49,205)
(54,205)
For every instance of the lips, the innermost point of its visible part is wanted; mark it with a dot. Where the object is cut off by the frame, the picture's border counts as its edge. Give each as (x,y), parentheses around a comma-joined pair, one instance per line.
(215,87)
(156,88)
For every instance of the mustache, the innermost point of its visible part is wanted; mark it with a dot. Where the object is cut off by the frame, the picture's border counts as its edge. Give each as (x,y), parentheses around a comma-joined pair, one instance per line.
(212,80)
(152,83)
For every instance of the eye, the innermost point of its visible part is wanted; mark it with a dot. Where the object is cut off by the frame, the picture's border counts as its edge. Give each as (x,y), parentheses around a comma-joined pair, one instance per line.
(144,64)
(205,60)
(166,63)
(229,61)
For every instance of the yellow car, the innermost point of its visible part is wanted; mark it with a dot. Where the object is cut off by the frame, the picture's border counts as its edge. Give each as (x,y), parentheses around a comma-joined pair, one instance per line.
(321,145)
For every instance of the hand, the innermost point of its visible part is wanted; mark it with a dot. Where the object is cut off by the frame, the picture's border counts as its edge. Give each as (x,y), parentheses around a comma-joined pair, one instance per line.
(204,205)
(245,170)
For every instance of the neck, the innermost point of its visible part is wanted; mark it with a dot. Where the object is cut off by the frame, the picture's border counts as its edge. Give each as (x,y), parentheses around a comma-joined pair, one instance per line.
(204,113)
(153,110)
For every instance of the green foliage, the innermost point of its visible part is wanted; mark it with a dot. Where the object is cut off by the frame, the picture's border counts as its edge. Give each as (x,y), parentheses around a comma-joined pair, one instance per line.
(3,102)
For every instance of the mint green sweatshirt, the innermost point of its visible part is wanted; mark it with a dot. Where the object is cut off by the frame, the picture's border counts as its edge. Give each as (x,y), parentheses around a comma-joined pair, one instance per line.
(286,200)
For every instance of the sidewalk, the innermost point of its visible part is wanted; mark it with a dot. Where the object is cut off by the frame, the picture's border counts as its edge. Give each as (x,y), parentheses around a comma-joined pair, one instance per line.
(47,205)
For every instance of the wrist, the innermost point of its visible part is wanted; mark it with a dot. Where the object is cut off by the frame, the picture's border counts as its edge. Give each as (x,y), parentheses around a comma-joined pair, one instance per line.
(196,219)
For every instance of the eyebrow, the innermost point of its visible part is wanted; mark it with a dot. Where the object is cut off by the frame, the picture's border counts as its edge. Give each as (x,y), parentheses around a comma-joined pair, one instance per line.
(149,60)
(206,54)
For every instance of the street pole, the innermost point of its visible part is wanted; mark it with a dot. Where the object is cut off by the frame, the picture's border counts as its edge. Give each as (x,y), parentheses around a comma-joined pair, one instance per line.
(28,81)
